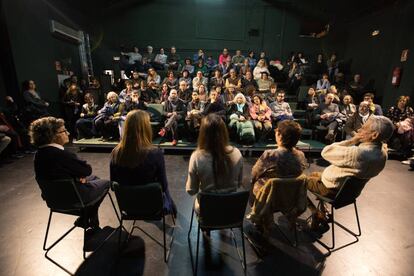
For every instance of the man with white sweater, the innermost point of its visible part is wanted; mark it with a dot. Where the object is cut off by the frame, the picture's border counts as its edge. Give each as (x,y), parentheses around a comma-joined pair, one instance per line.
(363,156)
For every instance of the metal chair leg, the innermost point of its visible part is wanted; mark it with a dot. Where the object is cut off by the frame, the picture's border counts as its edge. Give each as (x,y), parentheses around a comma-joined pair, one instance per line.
(198,245)
(163,232)
(47,230)
(244,249)
(191,222)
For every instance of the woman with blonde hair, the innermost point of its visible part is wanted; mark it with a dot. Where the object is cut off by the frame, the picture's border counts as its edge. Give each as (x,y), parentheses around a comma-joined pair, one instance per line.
(239,118)
(135,161)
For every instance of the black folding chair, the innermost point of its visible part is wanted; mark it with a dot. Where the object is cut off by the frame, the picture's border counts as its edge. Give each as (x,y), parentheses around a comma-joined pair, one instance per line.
(62,196)
(347,195)
(142,202)
(216,212)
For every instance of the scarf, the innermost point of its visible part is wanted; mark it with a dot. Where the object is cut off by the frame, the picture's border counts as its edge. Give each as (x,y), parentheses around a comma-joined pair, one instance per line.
(240,107)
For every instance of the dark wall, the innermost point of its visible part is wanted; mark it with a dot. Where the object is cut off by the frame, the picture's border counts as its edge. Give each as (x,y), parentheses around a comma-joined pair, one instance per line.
(375,57)
(193,24)
(34,49)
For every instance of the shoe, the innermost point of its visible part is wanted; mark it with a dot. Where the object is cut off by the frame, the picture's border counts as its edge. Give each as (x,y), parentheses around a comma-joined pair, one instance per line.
(17,155)
(162,132)
(406,162)
(174,142)
(92,231)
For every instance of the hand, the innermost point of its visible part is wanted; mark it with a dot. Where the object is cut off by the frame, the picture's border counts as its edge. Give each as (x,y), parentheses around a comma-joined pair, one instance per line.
(4,128)
(77,104)
(174,113)
(82,115)
(324,116)
(46,103)
(242,119)
(83,180)
(10,99)
(169,114)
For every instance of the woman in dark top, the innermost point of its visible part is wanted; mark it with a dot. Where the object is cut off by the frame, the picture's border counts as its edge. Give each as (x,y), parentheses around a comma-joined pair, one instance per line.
(53,162)
(134,161)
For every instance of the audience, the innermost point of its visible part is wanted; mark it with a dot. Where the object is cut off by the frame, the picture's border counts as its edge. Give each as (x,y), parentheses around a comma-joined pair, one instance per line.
(85,126)
(135,161)
(106,122)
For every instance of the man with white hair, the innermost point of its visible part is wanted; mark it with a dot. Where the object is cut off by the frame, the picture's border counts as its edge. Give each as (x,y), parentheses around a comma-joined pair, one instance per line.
(363,156)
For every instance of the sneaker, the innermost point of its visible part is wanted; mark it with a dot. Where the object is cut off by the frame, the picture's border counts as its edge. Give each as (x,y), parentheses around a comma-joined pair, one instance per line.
(174,142)
(162,132)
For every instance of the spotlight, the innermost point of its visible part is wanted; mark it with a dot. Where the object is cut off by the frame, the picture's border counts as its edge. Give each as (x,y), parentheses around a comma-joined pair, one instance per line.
(375,33)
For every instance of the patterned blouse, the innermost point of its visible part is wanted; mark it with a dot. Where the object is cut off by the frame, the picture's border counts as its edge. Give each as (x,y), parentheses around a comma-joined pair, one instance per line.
(396,115)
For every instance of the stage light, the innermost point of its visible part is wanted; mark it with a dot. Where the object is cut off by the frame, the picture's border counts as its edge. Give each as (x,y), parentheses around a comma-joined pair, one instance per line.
(375,33)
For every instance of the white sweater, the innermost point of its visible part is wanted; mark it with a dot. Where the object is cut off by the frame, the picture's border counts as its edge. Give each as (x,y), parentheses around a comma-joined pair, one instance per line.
(363,161)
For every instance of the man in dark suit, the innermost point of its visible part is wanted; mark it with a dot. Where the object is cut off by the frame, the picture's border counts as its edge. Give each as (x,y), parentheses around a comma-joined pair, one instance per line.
(53,162)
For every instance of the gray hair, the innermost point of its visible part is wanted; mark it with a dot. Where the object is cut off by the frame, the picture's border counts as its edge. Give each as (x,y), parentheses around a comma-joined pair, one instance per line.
(383,126)
(239,95)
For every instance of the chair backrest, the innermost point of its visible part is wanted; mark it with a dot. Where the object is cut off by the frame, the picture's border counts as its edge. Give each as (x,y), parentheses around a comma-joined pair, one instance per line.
(289,194)
(61,194)
(156,110)
(219,211)
(349,192)
(139,201)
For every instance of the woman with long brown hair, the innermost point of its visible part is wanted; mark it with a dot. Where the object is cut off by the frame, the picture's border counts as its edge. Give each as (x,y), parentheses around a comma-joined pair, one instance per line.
(214,166)
(134,161)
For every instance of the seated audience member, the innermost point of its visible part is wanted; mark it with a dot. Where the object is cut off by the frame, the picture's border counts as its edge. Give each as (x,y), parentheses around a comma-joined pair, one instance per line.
(214,166)
(211,64)
(214,105)
(249,84)
(323,84)
(199,79)
(224,56)
(244,68)
(188,66)
(13,116)
(151,94)
(272,96)
(136,81)
(259,69)
(327,115)
(200,66)
(225,67)
(106,122)
(347,108)
(238,59)
(72,107)
(34,106)
(311,100)
(84,125)
(280,109)
(173,59)
(252,59)
(301,60)
(171,80)
(133,103)
(160,60)
(153,76)
(6,129)
(355,121)
(202,93)
(135,161)
(227,96)
(355,88)
(334,91)
(134,58)
(260,114)
(185,76)
(199,55)
(319,66)
(284,162)
(263,56)
(4,141)
(126,92)
(195,110)
(375,108)
(295,77)
(239,120)
(398,114)
(217,80)
(363,157)
(233,80)
(174,111)
(149,56)
(164,93)
(264,83)
(184,93)
(53,162)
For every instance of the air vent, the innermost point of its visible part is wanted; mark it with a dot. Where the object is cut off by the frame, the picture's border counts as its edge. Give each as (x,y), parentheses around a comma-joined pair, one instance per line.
(65,32)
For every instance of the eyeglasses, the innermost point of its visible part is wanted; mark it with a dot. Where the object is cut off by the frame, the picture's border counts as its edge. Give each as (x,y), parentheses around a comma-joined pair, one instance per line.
(62,131)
